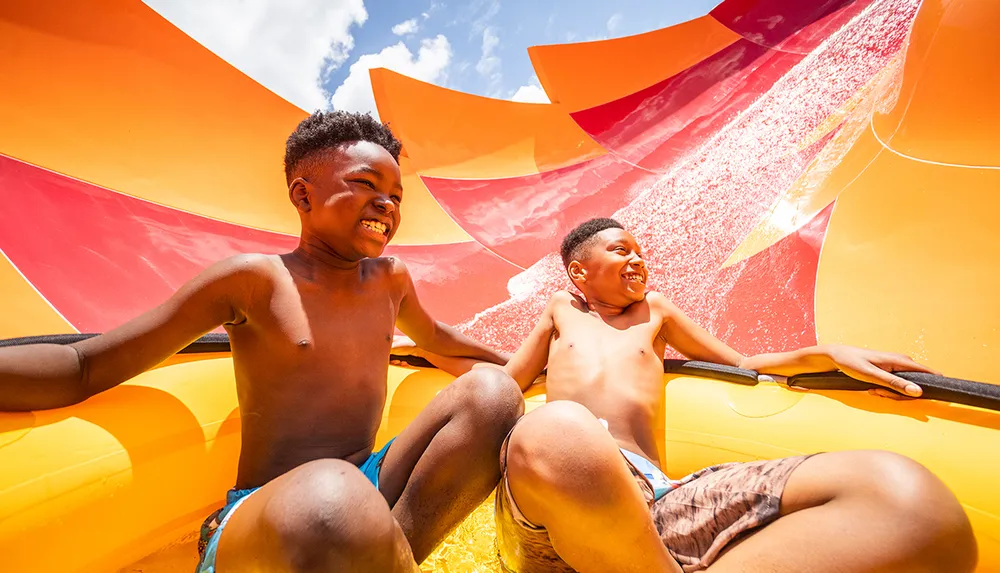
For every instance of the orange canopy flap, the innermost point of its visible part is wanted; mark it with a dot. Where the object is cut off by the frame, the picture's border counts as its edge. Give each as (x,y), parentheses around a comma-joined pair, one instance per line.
(453,134)
(583,75)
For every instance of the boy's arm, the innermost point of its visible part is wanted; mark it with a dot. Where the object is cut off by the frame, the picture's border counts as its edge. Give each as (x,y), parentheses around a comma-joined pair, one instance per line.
(688,338)
(533,354)
(429,334)
(454,365)
(866,365)
(42,376)
(862,364)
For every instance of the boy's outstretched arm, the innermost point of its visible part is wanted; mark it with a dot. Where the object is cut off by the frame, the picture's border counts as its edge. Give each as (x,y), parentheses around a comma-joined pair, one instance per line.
(430,335)
(871,366)
(533,354)
(41,376)
(454,365)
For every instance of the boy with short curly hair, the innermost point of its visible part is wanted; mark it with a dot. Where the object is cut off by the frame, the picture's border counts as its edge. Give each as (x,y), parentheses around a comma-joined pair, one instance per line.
(310,333)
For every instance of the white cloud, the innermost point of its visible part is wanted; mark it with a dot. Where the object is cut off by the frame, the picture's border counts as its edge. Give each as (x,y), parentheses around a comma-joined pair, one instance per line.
(480,22)
(430,64)
(488,65)
(615,23)
(405,28)
(530,93)
(489,62)
(286,45)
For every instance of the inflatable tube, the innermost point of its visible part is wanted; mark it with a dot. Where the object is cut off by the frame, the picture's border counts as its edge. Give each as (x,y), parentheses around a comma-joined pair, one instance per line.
(123,480)
(796,173)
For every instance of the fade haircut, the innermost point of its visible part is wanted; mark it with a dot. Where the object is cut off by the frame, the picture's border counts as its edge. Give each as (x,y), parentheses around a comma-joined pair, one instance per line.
(582,237)
(327,129)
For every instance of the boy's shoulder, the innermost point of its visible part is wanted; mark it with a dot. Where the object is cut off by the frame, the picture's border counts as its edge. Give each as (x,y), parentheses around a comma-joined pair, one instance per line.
(393,269)
(393,266)
(247,265)
(563,299)
(659,302)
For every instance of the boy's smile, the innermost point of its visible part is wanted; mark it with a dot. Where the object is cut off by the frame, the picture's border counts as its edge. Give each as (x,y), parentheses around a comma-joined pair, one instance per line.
(352,199)
(613,271)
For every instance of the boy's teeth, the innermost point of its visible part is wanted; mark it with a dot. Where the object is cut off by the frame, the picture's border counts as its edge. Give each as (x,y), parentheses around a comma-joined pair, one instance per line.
(375,226)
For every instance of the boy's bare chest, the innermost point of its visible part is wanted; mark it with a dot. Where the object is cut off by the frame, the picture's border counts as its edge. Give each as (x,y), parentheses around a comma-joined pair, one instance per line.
(621,334)
(318,316)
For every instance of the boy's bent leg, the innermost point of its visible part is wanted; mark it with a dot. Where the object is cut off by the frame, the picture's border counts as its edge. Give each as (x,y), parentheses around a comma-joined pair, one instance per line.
(860,511)
(322,516)
(566,474)
(446,461)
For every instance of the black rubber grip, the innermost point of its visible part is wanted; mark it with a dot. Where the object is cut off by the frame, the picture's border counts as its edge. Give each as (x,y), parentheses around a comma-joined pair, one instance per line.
(685,367)
(956,390)
(211,342)
(710,370)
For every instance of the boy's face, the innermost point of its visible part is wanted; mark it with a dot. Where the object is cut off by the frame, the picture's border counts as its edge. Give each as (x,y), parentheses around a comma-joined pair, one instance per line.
(612,270)
(354,194)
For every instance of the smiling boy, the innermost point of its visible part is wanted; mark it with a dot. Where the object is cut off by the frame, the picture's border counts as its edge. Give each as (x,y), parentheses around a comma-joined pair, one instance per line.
(583,489)
(310,333)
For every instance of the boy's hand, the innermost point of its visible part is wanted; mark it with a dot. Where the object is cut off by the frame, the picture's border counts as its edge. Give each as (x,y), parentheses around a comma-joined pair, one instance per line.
(876,368)
(404,346)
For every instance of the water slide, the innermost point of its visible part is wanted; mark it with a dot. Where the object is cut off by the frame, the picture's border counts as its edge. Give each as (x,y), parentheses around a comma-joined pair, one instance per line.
(799,173)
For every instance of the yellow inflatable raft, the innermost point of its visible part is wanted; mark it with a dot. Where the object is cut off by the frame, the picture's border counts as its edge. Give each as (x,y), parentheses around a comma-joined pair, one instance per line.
(123,481)
(798,173)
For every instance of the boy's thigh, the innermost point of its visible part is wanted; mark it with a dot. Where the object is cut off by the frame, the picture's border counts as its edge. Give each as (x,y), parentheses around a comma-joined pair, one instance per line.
(292,510)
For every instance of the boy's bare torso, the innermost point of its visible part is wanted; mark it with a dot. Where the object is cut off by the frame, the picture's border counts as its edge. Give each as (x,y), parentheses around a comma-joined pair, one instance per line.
(612,365)
(310,351)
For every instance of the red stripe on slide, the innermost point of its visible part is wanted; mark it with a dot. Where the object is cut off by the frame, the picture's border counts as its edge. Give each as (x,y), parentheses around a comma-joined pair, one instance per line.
(101,257)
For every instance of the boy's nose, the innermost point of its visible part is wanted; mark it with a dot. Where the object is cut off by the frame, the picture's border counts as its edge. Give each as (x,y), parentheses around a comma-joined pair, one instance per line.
(385,205)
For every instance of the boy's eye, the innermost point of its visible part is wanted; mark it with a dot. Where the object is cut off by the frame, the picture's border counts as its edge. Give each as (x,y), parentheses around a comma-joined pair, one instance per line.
(397,198)
(364,182)
(620,250)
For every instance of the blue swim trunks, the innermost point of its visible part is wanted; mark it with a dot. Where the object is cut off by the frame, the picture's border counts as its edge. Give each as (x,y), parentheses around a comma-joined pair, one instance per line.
(659,480)
(211,529)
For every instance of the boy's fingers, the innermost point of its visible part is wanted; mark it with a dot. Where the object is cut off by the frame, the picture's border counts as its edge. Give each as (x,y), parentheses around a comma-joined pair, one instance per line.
(884,393)
(907,364)
(883,378)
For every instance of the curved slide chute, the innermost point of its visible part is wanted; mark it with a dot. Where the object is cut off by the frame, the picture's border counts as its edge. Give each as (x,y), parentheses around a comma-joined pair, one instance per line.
(798,173)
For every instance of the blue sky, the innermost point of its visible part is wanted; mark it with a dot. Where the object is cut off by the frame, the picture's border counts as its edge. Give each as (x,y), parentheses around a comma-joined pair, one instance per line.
(316,53)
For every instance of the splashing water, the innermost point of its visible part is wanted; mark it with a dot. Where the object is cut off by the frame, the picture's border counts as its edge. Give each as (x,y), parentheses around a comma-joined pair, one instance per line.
(693,217)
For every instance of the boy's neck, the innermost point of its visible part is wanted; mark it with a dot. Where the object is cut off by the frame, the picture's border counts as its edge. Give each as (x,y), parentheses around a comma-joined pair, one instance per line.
(320,257)
(602,309)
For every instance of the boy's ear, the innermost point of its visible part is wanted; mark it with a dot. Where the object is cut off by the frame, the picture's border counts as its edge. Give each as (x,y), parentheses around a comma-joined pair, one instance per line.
(299,194)
(576,271)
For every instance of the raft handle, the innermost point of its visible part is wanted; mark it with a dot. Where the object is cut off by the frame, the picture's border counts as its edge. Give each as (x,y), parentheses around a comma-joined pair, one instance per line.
(967,392)
(710,370)
(210,343)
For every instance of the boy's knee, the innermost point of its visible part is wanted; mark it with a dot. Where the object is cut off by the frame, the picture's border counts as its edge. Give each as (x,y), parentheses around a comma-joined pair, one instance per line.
(556,422)
(331,513)
(557,445)
(493,398)
(908,492)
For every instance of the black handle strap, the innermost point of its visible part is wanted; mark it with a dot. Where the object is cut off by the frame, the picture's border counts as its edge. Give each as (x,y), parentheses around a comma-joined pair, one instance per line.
(710,370)
(979,394)
(956,390)
(211,342)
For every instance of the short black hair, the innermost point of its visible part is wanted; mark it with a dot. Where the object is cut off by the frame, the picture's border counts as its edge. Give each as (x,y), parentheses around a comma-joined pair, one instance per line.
(326,129)
(581,237)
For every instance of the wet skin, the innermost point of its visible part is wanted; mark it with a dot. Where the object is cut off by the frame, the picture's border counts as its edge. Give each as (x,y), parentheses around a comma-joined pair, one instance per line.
(311,332)
(603,351)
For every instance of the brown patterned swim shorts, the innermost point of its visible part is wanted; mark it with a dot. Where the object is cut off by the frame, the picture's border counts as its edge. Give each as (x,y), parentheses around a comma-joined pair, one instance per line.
(708,509)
